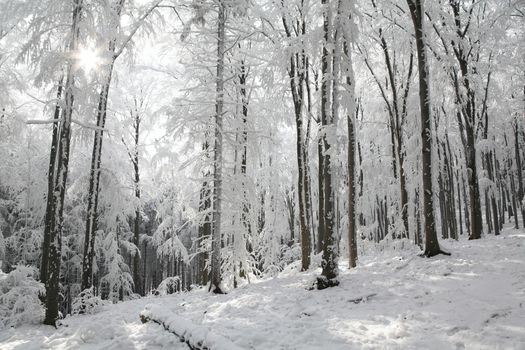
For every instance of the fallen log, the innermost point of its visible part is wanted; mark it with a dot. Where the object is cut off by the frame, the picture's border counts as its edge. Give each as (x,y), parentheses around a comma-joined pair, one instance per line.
(197,337)
(198,346)
(362,299)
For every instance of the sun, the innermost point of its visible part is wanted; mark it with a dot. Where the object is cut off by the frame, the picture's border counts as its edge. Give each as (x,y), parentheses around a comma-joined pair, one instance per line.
(88,59)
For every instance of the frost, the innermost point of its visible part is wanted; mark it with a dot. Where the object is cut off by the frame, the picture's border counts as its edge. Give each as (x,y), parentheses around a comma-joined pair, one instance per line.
(20,297)
(87,303)
(169,285)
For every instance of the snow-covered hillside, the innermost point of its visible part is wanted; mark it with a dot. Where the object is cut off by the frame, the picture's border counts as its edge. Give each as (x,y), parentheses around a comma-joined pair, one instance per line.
(474,299)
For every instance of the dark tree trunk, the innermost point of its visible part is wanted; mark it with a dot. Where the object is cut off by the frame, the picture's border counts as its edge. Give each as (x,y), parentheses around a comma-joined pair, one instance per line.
(473,189)
(466,206)
(51,178)
(519,173)
(328,66)
(491,195)
(500,190)
(467,120)
(352,239)
(96,158)
(514,201)
(144,268)
(451,204)
(320,185)
(59,192)
(450,194)
(243,76)
(431,241)
(458,186)
(204,230)
(296,73)
(289,199)
(418,238)
(136,222)
(442,190)
(216,260)
(94,187)
(351,121)
(297,92)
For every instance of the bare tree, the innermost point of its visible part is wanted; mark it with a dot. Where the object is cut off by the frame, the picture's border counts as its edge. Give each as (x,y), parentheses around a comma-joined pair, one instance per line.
(216,262)
(431,241)
(297,70)
(62,167)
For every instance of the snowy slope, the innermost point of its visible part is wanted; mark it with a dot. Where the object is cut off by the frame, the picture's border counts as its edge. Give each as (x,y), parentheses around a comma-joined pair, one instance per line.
(116,327)
(474,299)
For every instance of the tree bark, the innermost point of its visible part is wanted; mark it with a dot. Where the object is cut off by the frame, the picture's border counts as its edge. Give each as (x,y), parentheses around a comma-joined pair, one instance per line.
(466,120)
(59,192)
(51,176)
(296,73)
(320,185)
(216,261)
(94,188)
(330,74)
(519,170)
(96,159)
(351,121)
(136,222)
(352,239)
(431,241)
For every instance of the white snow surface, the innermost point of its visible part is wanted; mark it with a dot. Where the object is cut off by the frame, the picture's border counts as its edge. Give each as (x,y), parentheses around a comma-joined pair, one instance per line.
(117,326)
(394,299)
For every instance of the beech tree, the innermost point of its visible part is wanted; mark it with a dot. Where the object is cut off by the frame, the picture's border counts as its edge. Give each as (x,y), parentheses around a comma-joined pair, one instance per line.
(298,72)
(431,241)
(61,172)
(112,55)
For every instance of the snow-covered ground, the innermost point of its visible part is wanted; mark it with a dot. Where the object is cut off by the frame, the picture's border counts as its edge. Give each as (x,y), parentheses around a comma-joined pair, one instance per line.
(394,299)
(115,327)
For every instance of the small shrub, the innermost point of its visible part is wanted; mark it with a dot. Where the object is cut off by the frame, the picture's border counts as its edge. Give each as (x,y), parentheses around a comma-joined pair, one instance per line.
(169,285)
(20,297)
(87,303)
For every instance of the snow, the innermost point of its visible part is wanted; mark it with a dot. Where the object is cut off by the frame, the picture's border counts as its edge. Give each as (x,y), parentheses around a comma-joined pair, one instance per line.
(394,299)
(117,326)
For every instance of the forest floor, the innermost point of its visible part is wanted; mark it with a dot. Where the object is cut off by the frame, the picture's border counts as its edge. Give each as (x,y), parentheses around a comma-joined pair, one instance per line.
(394,299)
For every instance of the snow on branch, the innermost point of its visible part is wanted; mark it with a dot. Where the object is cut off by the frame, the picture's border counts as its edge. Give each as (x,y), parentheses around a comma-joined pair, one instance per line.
(42,121)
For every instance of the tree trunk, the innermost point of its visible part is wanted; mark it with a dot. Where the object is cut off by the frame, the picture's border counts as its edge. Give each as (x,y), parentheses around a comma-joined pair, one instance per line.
(204,230)
(491,194)
(352,239)
(51,178)
(514,201)
(466,116)
(320,185)
(351,121)
(94,187)
(418,238)
(431,242)
(136,222)
(291,215)
(519,170)
(144,268)
(330,73)
(96,158)
(458,187)
(216,261)
(59,192)
(473,188)
(296,73)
